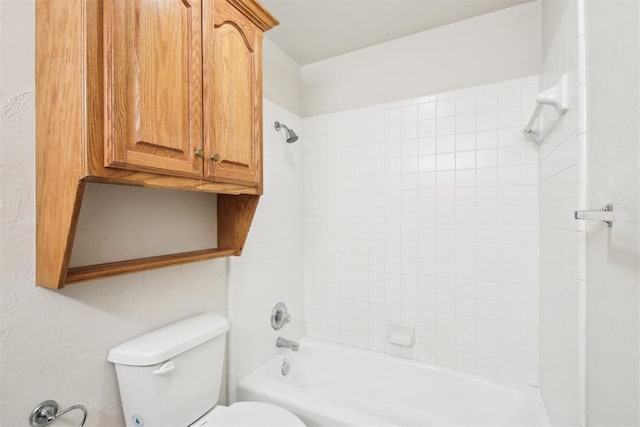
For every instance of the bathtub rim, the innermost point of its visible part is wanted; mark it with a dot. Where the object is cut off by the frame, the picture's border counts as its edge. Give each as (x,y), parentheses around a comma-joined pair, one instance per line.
(464,375)
(528,391)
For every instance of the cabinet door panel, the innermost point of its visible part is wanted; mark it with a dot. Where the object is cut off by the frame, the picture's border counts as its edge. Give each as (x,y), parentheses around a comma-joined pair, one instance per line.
(233,62)
(233,96)
(154,64)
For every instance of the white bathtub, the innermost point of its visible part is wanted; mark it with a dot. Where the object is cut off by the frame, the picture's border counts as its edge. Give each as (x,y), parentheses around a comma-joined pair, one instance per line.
(334,385)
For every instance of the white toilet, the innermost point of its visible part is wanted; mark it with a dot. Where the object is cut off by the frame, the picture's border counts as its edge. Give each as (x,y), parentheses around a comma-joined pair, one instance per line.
(171,377)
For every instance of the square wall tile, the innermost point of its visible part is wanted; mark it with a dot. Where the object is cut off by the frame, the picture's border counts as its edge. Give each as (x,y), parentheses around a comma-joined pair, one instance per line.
(434,226)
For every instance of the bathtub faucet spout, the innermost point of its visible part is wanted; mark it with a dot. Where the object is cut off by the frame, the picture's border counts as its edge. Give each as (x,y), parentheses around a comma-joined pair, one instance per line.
(285,343)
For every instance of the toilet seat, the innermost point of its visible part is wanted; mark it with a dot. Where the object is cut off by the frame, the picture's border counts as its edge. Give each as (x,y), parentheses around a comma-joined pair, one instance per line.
(248,414)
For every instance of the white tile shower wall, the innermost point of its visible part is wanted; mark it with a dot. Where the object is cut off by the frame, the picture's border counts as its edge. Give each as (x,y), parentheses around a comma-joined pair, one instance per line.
(425,211)
(270,268)
(562,239)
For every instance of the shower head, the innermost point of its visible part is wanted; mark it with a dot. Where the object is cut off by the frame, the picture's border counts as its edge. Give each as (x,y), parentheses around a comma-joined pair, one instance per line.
(291,135)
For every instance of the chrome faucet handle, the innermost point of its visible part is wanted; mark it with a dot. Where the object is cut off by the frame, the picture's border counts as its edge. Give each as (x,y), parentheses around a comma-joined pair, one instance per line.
(279,316)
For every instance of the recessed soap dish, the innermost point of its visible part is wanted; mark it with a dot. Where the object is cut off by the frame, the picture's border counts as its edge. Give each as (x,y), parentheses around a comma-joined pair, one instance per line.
(401,334)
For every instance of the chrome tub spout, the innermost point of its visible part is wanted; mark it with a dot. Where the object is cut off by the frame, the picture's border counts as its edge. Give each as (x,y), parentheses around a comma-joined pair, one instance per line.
(285,343)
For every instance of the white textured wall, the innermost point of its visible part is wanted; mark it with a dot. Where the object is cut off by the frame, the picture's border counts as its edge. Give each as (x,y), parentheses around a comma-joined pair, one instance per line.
(613,271)
(425,211)
(282,78)
(562,239)
(489,48)
(53,344)
(158,221)
(552,11)
(270,268)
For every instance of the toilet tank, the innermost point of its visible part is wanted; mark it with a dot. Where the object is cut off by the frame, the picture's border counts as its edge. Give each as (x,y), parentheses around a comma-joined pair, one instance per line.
(171,376)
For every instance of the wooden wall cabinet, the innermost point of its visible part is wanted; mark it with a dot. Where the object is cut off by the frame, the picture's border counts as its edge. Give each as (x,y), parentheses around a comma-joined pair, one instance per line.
(153,86)
(233,95)
(157,93)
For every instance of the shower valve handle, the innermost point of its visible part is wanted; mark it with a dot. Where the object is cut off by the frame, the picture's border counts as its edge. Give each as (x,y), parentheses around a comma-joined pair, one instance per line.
(279,316)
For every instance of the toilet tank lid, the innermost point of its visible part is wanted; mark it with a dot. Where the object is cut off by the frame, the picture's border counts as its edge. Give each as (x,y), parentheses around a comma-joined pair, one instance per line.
(168,341)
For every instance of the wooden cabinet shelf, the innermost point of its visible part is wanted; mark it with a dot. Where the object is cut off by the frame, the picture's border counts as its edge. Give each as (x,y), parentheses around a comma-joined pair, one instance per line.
(78,274)
(155,93)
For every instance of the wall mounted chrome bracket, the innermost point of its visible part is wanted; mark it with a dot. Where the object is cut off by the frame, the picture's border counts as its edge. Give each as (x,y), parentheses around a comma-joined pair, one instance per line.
(605,215)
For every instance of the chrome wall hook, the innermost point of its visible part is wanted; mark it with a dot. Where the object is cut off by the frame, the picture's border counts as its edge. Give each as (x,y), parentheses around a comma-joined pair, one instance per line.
(46,412)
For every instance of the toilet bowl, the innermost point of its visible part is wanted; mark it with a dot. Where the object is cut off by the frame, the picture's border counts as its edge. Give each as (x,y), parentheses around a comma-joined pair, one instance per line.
(249,414)
(171,377)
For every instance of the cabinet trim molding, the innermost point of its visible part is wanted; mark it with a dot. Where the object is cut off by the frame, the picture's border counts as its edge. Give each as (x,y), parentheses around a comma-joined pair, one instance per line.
(258,14)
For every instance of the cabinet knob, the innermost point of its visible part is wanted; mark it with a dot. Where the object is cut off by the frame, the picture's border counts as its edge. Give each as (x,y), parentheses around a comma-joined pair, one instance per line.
(200,153)
(215,157)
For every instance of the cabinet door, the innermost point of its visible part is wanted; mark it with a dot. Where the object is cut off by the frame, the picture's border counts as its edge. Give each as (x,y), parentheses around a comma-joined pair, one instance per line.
(232,95)
(153,61)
